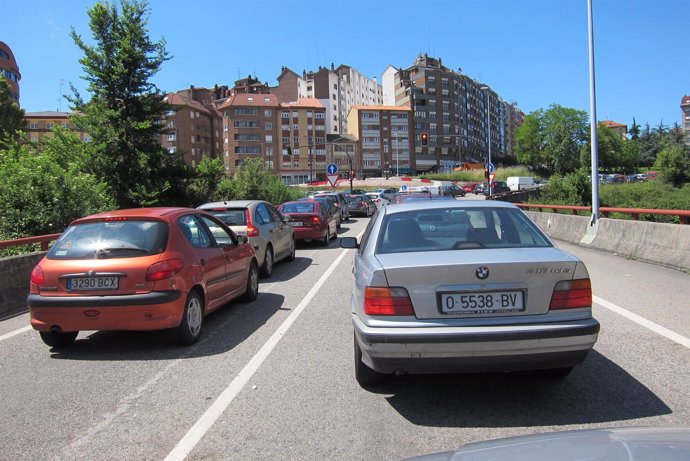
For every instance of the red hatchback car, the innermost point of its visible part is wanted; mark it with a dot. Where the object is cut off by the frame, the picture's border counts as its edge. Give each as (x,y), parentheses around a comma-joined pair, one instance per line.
(140,269)
(310,220)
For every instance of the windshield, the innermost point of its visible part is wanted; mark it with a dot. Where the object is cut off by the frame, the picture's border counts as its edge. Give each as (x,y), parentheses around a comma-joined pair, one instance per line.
(110,239)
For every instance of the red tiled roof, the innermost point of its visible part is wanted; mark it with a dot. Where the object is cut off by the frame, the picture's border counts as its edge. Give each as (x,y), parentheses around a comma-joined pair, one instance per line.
(243,99)
(311,103)
(177,100)
(612,124)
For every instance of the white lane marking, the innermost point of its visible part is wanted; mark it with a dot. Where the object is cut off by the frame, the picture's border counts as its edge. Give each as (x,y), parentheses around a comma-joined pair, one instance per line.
(201,427)
(655,327)
(15,333)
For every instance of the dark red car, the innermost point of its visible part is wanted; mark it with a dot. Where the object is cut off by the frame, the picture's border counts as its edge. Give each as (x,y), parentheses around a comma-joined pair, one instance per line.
(140,269)
(310,220)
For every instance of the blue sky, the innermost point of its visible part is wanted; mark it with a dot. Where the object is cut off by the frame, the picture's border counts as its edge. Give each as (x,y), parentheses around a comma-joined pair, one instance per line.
(533,52)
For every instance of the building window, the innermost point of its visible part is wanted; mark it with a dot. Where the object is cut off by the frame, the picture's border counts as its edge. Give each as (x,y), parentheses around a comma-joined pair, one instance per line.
(268,126)
(268,112)
(284,115)
(269,138)
(34,126)
(172,136)
(49,125)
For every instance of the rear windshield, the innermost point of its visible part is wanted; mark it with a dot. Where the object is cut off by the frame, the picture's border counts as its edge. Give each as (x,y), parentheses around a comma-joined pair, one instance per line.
(298,208)
(111,239)
(458,229)
(233,217)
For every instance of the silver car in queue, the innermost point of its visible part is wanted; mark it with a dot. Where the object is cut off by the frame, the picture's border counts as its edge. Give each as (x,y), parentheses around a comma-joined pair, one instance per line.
(465,286)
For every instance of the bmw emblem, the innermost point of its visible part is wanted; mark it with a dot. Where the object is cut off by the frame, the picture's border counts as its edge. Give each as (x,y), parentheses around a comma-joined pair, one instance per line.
(482,272)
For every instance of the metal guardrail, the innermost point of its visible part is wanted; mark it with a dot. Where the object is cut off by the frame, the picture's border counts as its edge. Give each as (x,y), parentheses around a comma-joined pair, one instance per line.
(683,215)
(44,240)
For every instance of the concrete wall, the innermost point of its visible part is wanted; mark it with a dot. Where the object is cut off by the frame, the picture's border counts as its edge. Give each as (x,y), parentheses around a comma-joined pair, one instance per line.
(658,243)
(15,274)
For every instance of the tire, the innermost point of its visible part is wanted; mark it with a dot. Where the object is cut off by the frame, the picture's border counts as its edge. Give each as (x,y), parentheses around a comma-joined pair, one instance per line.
(364,375)
(192,323)
(252,290)
(57,339)
(267,266)
(327,239)
(291,255)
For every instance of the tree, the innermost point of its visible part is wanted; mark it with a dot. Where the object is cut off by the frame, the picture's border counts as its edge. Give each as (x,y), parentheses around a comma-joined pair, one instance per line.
(123,114)
(673,165)
(634,130)
(43,191)
(208,175)
(255,181)
(529,143)
(11,116)
(610,151)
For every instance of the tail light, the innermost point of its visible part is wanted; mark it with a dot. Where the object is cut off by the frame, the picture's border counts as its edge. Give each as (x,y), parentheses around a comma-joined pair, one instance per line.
(568,294)
(387,301)
(315,219)
(37,277)
(363,203)
(164,269)
(251,230)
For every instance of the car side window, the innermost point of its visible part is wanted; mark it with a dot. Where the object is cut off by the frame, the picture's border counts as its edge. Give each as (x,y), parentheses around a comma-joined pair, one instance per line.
(262,214)
(194,231)
(366,235)
(275,214)
(220,235)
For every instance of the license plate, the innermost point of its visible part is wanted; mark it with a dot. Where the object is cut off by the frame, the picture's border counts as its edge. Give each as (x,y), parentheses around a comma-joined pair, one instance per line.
(296,223)
(482,303)
(93,283)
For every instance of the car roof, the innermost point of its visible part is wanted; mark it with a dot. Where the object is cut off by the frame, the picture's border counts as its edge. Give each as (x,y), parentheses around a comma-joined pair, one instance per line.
(414,205)
(229,204)
(153,212)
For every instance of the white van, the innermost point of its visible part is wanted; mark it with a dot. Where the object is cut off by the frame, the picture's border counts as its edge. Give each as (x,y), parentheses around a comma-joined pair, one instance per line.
(520,182)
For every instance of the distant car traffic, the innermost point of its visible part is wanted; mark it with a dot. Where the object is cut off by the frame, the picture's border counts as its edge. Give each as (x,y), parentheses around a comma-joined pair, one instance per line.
(262,223)
(140,269)
(340,204)
(452,190)
(498,187)
(465,286)
(361,205)
(378,198)
(311,220)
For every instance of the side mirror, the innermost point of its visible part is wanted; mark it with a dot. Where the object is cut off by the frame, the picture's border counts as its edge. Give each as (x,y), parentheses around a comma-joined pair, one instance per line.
(348,242)
(287,218)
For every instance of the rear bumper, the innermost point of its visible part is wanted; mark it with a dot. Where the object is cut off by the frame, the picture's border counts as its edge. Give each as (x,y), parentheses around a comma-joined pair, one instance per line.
(302,233)
(476,349)
(150,311)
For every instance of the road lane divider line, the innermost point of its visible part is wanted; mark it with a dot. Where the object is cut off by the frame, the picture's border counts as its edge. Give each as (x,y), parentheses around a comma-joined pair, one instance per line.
(15,333)
(208,419)
(655,327)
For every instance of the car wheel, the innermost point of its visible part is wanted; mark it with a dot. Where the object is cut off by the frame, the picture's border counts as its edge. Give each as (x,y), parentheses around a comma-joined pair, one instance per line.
(189,330)
(252,284)
(291,255)
(327,239)
(364,375)
(267,266)
(58,339)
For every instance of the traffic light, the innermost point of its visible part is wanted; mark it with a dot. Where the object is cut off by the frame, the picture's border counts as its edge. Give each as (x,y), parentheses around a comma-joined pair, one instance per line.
(486,172)
(353,175)
(425,139)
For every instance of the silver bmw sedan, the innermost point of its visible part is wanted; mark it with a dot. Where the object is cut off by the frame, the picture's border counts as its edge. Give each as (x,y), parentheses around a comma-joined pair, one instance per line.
(466,286)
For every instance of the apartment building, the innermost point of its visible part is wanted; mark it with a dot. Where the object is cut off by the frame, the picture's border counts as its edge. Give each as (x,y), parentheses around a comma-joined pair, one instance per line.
(302,141)
(39,125)
(685,126)
(343,150)
(250,130)
(192,125)
(620,129)
(9,69)
(385,142)
(454,110)
(337,89)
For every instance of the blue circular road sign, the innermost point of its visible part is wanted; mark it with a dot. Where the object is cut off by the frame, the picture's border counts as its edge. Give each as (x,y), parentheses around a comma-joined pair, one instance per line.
(491,167)
(332,168)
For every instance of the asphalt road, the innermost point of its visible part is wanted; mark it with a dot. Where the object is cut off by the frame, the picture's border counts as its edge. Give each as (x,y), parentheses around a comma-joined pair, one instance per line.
(274,379)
